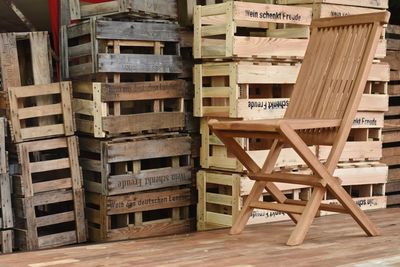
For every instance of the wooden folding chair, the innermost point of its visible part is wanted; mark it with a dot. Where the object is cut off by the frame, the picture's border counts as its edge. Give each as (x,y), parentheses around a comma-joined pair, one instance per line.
(321,112)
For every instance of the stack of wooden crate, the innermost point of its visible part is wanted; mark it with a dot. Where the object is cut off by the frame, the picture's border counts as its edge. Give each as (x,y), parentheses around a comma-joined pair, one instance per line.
(47,184)
(246,73)
(391,133)
(360,170)
(48,191)
(6,214)
(130,112)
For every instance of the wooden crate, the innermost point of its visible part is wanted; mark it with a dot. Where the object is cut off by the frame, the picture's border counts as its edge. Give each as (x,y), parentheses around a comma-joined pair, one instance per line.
(365,139)
(242,24)
(239,23)
(361,173)
(365,183)
(4,165)
(214,155)
(26,110)
(49,219)
(391,154)
(144,50)
(185,8)
(229,89)
(24,59)
(186,50)
(111,109)
(49,199)
(123,9)
(6,241)
(379,4)
(253,90)
(221,196)
(46,165)
(139,215)
(132,164)
(367,197)
(393,191)
(6,213)
(392,115)
(393,37)
(323,9)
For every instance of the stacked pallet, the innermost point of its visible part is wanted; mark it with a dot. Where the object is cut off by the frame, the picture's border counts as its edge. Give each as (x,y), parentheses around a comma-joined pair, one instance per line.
(47,184)
(245,74)
(130,113)
(6,214)
(363,150)
(391,134)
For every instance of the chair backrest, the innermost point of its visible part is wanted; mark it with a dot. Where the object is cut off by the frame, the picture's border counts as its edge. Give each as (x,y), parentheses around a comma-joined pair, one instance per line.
(333,75)
(335,67)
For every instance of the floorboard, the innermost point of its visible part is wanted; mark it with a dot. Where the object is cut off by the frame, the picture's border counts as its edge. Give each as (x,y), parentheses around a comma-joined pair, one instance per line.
(332,241)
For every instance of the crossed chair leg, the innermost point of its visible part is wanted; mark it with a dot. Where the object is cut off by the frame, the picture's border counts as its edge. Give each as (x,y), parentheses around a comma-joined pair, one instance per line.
(304,218)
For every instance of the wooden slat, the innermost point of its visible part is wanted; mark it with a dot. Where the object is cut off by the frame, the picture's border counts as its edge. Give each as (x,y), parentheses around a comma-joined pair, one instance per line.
(142,90)
(149,149)
(10,73)
(83,106)
(60,239)
(141,122)
(219,199)
(52,197)
(278,207)
(55,218)
(44,144)
(64,183)
(123,30)
(49,165)
(39,111)
(79,50)
(241,13)
(290,178)
(40,131)
(150,201)
(36,90)
(98,9)
(327,207)
(130,63)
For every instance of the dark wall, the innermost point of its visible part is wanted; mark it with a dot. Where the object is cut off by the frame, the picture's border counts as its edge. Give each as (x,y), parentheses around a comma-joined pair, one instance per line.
(37,11)
(394,8)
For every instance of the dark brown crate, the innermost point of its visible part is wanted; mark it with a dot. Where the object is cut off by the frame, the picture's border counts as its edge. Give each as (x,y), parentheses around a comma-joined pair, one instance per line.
(6,241)
(112,109)
(24,59)
(50,219)
(139,215)
(6,216)
(124,9)
(125,165)
(48,195)
(27,111)
(126,51)
(47,165)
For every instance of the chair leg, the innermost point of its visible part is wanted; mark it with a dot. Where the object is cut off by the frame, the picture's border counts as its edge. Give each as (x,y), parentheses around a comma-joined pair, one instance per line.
(246,210)
(354,210)
(307,217)
(337,190)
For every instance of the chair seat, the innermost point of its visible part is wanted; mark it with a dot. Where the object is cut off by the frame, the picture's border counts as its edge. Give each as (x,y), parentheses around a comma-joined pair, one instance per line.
(273,125)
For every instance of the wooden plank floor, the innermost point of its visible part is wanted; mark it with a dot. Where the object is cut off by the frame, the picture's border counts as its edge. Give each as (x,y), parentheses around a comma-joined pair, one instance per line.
(332,241)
